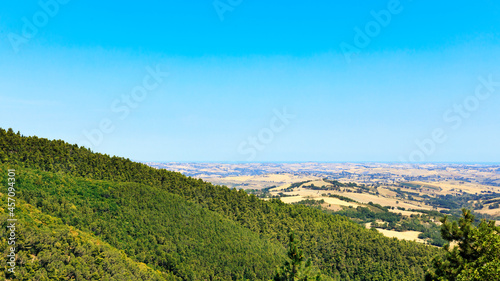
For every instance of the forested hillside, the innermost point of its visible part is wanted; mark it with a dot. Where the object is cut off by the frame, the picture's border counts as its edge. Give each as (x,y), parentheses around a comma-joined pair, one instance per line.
(153,226)
(48,249)
(184,226)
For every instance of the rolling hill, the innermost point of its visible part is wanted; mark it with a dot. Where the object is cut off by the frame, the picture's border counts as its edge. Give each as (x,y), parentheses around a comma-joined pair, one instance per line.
(172,227)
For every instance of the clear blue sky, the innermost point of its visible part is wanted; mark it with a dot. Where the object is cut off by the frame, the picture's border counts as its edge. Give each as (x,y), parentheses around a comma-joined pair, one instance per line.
(64,69)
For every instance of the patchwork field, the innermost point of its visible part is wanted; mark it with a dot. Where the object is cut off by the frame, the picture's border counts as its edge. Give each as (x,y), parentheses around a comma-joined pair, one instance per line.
(408,190)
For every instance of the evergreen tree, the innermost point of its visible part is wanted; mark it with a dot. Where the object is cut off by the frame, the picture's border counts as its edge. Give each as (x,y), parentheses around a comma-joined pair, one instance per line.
(298,268)
(173,223)
(477,254)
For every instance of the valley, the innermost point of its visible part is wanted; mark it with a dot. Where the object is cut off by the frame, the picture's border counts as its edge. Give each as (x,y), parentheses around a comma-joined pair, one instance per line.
(420,194)
(89,216)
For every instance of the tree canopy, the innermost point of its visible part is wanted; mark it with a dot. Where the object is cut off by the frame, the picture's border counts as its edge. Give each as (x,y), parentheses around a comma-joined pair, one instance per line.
(472,253)
(190,228)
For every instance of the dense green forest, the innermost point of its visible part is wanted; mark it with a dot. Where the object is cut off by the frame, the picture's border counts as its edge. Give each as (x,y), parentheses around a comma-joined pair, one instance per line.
(189,228)
(154,227)
(48,249)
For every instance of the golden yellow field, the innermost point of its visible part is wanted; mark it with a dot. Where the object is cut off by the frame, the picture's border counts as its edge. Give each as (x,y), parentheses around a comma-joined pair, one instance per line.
(405,235)
(454,187)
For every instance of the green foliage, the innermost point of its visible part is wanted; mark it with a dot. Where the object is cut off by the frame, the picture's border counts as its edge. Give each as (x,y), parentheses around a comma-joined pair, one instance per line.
(194,229)
(395,221)
(47,249)
(336,183)
(454,203)
(343,198)
(154,227)
(365,214)
(311,202)
(494,206)
(477,255)
(295,185)
(434,237)
(297,267)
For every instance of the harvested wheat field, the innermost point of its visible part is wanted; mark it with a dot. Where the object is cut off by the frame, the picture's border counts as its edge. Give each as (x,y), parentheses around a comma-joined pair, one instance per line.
(406,235)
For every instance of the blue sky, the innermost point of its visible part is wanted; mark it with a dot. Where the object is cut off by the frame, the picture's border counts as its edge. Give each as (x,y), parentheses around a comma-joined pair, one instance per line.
(408,93)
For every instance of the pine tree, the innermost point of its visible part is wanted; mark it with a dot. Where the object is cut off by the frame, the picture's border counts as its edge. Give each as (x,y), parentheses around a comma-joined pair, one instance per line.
(477,255)
(298,268)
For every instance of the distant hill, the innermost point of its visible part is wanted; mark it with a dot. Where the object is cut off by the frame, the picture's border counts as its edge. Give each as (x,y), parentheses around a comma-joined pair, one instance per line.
(180,227)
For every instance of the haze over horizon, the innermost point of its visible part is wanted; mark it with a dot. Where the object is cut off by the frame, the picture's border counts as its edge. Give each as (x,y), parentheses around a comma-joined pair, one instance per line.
(263,82)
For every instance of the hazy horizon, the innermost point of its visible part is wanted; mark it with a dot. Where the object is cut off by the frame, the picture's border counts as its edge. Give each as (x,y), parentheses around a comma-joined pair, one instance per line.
(386,81)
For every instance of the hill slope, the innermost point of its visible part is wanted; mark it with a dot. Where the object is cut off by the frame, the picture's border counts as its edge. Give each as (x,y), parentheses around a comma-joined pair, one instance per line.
(339,247)
(47,249)
(152,226)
